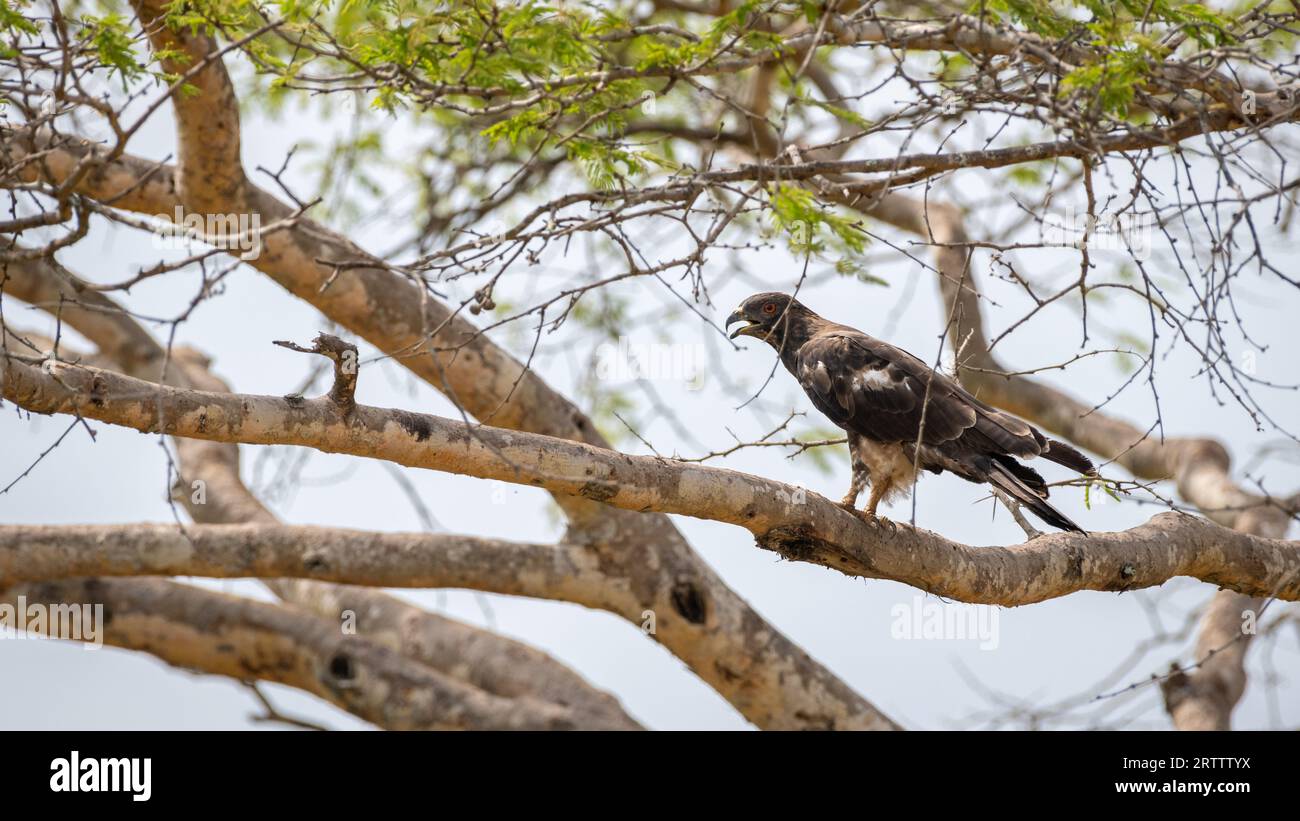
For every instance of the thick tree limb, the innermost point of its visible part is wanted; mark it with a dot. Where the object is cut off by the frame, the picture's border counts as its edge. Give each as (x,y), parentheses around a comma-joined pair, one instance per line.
(210,173)
(30,553)
(44,283)
(1169,545)
(818,530)
(1204,697)
(226,635)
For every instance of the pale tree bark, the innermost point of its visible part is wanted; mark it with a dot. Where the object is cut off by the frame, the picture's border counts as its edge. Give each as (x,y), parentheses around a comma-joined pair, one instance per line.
(1169,545)
(248,640)
(815,530)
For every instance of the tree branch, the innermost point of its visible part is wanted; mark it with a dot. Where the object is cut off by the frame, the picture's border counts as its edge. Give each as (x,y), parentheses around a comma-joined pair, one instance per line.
(226,635)
(818,531)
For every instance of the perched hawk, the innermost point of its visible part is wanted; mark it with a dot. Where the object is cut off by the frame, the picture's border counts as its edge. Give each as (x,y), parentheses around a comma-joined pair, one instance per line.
(878,394)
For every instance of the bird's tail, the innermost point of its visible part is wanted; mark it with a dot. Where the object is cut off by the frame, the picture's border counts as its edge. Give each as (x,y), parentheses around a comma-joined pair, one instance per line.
(1063,454)
(1005,479)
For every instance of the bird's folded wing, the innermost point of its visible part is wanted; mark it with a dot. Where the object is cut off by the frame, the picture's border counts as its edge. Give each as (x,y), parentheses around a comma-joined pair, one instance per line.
(878,390)
(869,387)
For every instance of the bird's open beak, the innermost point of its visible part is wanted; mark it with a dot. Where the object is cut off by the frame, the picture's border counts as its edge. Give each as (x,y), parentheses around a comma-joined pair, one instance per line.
(743,330)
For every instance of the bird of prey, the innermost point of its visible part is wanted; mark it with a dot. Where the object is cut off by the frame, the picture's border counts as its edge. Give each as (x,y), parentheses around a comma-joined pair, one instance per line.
(895,408)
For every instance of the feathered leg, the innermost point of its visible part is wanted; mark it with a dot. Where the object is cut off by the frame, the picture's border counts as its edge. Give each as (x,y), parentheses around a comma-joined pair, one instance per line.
(860,476)
(850,499)
(878,491)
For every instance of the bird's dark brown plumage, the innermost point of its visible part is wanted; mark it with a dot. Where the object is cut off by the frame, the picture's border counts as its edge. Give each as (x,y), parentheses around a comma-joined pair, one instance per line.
(894,407)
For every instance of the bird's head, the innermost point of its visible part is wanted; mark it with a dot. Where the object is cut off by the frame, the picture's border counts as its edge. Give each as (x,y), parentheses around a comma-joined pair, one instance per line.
(768,316)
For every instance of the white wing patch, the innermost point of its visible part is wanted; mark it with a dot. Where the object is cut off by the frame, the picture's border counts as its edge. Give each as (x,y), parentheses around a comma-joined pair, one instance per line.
(877,378)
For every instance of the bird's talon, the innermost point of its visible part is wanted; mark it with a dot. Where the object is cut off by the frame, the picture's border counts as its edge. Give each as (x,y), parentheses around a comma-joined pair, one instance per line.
(872,519)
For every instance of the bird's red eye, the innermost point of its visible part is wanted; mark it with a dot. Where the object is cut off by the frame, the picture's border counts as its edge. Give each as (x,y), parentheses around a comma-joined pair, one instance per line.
(769,308)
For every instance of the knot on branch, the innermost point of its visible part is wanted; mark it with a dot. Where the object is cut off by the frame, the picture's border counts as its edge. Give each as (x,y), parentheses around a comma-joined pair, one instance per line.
(689,602)
(1180,687)
(346,365)
(1175,687)
(795,543)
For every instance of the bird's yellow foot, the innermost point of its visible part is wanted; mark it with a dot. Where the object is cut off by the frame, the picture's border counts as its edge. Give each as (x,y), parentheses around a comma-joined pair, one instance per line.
(875,520)
(888,524)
